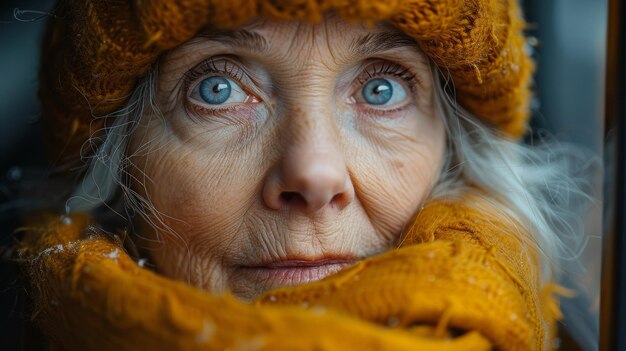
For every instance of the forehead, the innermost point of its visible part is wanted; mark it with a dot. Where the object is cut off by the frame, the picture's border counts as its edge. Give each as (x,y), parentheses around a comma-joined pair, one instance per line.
(266,37)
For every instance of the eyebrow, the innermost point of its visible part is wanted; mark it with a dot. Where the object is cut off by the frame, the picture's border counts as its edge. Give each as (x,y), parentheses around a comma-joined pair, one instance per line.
(365,45)
(242,38)
(373,43)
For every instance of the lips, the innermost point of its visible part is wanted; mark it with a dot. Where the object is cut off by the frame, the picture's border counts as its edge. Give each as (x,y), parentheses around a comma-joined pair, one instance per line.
(290,272)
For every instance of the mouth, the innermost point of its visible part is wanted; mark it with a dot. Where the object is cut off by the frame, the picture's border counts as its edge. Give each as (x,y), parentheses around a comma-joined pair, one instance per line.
(294,271)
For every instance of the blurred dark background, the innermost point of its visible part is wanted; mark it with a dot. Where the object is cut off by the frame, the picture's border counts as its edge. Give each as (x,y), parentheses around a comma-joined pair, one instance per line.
(569,44)
(21,148)
(570,88)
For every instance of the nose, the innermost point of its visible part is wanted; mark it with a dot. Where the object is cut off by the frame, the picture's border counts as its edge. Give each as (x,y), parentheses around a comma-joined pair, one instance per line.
(311,176)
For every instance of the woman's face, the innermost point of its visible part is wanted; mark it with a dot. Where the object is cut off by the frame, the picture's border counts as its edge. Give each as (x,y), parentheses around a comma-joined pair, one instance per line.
(286,152)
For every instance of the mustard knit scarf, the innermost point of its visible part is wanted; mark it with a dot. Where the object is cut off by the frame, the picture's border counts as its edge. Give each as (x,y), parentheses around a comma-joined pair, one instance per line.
(459,281)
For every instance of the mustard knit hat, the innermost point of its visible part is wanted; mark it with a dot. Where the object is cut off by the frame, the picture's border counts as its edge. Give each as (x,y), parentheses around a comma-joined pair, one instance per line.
(95,51)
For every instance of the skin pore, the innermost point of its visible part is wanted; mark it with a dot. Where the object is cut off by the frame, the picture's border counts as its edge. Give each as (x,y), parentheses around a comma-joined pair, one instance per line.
(285,151)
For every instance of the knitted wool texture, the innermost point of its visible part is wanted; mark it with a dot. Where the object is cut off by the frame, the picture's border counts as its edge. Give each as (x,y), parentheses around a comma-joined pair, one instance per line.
(457,269)
(95,51)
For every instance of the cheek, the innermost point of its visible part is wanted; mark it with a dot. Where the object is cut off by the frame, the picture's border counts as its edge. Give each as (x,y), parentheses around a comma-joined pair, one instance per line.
(199,174)
(201,198)
(395,167)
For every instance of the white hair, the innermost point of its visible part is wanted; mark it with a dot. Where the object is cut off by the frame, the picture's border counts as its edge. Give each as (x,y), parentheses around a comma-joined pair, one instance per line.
(544,187)
(106,183)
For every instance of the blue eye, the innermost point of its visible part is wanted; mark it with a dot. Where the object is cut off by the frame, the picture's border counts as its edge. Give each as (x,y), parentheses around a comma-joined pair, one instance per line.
(215,90)
(381,91)
(377,91)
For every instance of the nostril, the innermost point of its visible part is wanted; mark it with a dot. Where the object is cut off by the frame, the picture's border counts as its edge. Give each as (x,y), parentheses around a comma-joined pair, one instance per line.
(338,199)
(292,198)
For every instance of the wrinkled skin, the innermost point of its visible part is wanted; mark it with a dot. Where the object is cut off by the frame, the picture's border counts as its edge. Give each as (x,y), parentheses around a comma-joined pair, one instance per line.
(298,174)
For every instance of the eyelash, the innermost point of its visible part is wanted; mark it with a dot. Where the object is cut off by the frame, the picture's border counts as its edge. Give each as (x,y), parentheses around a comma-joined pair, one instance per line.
(212,66)
(387,68)
(209,65)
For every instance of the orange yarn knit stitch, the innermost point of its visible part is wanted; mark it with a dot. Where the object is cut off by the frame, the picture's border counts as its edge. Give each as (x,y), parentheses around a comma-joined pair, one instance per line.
(95,52)
(460,281)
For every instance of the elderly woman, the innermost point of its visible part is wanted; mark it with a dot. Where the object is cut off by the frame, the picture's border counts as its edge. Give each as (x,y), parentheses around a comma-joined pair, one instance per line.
(296,175)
